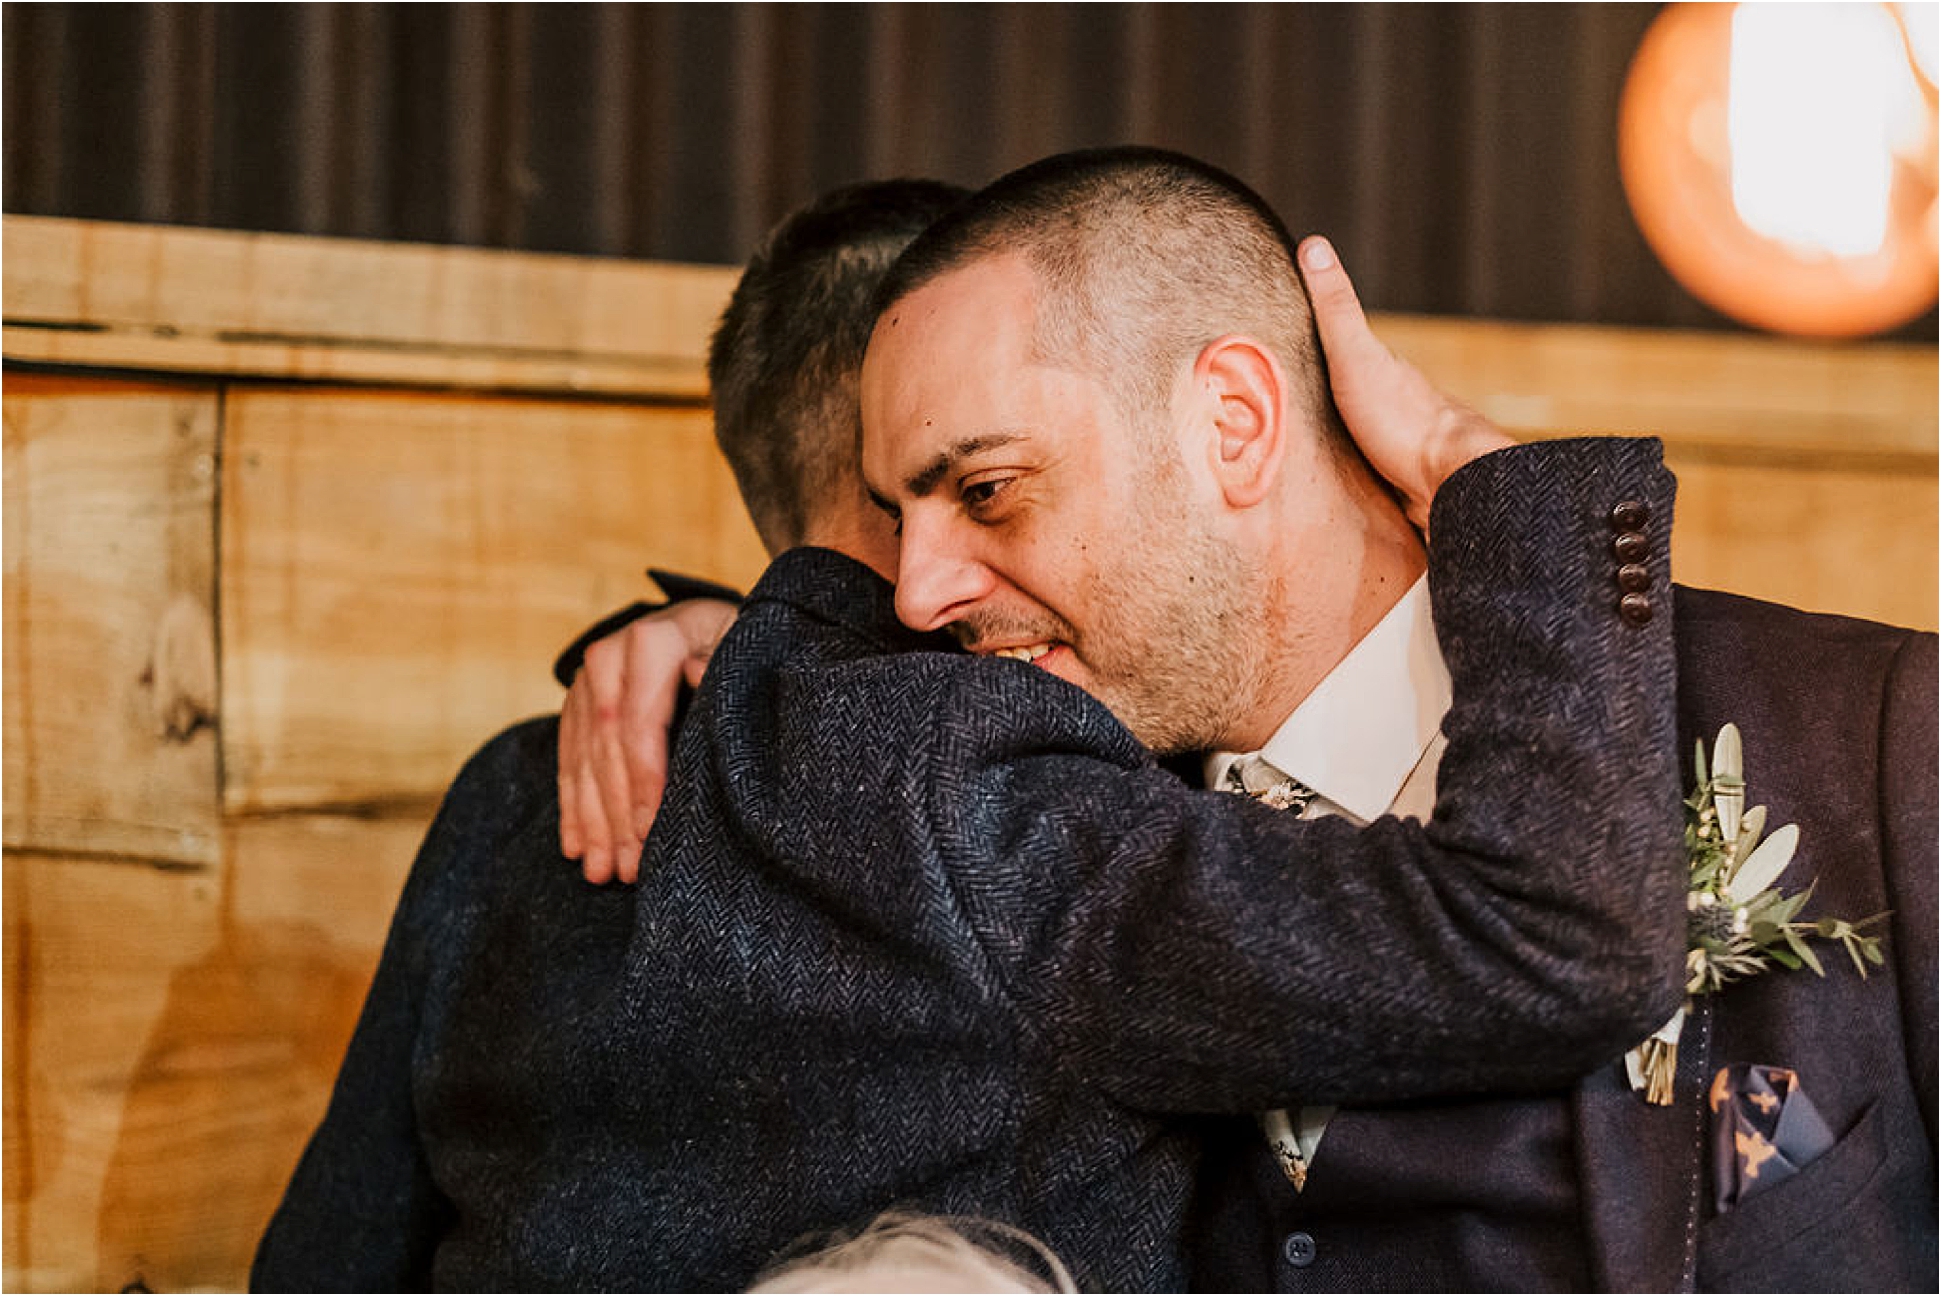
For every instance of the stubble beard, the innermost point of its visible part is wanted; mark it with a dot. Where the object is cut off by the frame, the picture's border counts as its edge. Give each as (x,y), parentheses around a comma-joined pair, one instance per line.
(1179,650)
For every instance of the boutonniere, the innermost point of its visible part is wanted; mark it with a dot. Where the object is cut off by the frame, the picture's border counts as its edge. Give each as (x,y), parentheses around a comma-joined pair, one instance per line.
(1737,923)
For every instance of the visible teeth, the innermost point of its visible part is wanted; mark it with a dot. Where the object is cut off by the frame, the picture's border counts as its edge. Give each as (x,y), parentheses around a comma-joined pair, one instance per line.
(1030,654)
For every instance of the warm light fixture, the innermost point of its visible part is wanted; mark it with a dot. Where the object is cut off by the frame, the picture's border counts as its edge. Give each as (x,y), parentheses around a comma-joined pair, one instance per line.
(1781,160)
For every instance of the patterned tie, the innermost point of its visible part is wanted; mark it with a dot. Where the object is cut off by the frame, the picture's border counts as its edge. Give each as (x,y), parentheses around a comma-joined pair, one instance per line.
(1292,1135)
(1252,776)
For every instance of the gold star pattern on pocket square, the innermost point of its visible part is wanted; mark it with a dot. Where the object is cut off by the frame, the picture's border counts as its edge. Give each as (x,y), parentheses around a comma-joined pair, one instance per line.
(1765,1130)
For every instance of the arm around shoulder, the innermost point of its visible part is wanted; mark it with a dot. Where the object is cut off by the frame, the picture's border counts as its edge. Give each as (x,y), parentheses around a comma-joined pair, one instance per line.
(1193,951)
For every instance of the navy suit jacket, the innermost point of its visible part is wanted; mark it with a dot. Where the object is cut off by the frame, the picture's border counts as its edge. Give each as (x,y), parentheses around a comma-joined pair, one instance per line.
(923,929)
(1838,718)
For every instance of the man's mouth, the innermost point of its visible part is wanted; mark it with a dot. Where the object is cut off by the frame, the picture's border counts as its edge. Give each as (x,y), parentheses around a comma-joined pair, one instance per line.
(1018,639)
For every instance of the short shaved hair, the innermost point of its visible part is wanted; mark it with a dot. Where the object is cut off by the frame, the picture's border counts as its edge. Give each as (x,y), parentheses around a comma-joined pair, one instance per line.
(784,364)
(1141,257)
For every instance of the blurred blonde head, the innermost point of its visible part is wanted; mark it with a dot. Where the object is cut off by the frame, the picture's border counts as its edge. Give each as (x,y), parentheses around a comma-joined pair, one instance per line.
(901,1252)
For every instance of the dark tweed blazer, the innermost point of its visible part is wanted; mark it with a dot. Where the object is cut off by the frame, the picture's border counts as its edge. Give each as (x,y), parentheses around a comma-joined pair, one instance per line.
(1838,718)
(922,929)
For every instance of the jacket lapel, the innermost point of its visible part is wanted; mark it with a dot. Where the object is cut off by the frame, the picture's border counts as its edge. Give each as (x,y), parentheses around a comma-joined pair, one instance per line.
(1639,1167)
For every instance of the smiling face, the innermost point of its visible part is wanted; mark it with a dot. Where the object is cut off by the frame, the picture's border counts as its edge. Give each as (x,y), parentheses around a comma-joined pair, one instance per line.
(1039,520)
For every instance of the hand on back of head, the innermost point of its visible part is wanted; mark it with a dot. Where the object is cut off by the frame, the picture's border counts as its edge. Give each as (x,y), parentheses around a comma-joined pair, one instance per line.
(1412,434)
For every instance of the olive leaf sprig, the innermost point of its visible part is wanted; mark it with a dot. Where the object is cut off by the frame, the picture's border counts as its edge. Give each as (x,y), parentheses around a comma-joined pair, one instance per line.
(1737,922)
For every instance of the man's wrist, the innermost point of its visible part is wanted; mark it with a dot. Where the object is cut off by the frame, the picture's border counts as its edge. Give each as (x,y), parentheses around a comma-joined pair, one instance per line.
(567,664)
(678,588)
(1469,437)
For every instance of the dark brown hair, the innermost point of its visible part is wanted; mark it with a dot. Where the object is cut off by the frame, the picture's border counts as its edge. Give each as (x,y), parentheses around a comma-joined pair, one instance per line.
(784,361)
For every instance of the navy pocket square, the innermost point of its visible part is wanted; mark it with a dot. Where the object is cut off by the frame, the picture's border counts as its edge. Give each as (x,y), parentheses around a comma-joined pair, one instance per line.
(1765,1130)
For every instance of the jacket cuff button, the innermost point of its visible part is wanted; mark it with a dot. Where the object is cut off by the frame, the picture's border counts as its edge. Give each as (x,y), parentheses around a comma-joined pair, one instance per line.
(1634,578)
(1631,546)
(1635,608)
(1630,515)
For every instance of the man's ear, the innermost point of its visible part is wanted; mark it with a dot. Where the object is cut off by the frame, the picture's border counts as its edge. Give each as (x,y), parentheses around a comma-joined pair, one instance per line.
(1247,392)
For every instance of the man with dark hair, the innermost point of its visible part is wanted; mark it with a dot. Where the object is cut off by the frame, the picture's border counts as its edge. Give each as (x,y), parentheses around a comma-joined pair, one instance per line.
(782,370)
(782,364)
(926,929)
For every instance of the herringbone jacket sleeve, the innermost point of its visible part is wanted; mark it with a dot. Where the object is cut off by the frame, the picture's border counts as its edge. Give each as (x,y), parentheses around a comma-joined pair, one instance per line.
(1194,951)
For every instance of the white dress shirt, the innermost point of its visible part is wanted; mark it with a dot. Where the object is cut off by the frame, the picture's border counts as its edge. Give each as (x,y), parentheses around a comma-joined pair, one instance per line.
(1369,737)
(1367,740)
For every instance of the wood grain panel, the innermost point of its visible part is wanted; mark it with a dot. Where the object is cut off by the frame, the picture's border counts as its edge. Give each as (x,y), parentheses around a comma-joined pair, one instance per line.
(104,945)
(171,1048)
(1826,536)
(239,1065)
(96,292)
(324,878)
(1771,396)
(327,361)
(399,571)
(110,581)
(17,1161)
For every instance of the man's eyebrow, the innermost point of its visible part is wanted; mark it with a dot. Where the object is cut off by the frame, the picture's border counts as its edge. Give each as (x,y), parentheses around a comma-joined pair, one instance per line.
(925,479)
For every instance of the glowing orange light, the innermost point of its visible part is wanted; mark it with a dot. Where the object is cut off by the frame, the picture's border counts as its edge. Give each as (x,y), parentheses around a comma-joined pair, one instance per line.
(1780,160)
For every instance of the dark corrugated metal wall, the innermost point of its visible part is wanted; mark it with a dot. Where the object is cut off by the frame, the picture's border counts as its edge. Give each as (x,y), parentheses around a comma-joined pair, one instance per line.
(1464,156)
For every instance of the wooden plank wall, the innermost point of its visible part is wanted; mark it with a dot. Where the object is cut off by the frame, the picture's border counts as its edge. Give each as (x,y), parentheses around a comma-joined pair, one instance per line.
(292,526)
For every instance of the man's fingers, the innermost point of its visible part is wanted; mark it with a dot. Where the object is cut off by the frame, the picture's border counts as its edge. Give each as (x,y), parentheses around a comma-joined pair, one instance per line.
(572,840)
(1388,408)
(597,867)
(609,775)
(571,844)
(657,654)
(615,732)
(695,669)
(591,699)
(1338,316)
(599,775)
(1412,434)
(646,756)
(1379,395)
(649,725)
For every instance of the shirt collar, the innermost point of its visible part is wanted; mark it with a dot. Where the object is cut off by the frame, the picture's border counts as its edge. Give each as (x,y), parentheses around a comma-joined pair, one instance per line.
(1366,726)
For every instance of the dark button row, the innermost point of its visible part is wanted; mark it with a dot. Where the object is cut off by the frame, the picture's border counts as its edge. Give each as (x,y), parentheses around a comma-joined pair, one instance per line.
(1632,548)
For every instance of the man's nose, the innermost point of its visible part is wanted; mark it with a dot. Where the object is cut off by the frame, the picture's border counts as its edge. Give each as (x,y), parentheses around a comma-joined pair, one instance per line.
(938,578)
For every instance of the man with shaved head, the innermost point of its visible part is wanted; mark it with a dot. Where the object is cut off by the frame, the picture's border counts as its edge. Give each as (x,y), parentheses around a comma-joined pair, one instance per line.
(1038,345)
(1087,309)
(1162,505)
(1091,403)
